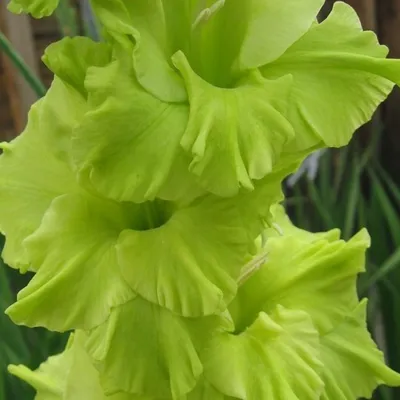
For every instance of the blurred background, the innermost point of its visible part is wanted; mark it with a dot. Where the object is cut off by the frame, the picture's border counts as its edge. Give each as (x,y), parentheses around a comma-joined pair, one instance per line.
(349,188)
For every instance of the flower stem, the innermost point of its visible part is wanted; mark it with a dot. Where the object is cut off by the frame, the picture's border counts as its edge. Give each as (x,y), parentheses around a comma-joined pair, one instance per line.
(33,81)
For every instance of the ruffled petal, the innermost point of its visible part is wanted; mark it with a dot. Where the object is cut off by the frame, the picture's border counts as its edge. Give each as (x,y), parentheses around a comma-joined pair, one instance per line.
(340,76)
(128,142)
(50,379)
(191,263)
(259,363)
(161,359)
(283,226)
(235,135)
(30,174)
(318,278)
(38,8)
(141,27)
(270,28)
(68,376)
(353,366)
(78,280)
(70,58)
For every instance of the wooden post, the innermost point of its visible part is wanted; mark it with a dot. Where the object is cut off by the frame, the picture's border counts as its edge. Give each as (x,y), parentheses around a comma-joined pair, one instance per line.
(366,10)
(389,30)
(17,28)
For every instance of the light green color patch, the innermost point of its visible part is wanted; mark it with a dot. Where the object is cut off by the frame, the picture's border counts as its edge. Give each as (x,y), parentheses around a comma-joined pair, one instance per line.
(318,278)
(260,362)
(27,183)
(128,142)
(70,59)
(78,279)
(203,30)
(353,366)
(205,244)
(38,8)
(165,363)
(68,376)
(239,132)
(283,226)
(337,84)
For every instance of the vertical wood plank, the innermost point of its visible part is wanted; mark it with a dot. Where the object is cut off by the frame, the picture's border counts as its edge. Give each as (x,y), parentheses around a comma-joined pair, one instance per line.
(366,10)
(389,30)
(17,28)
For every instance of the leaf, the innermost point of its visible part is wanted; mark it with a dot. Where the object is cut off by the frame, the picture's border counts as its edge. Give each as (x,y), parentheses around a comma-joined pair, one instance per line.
(337,84)
(234,135)
(259,362)
(78,280)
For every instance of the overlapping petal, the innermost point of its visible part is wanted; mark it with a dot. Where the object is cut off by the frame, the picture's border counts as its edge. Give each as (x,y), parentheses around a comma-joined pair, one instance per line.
(318,278)
(140,27)
(353,366)
(38,8)
(161,358)
(234,135)
(259,362)
(100,252)
(31,175)
(220,38)
(70,375)
(70,58)
(78,279)
(205,245)
(128,142)
(340,76)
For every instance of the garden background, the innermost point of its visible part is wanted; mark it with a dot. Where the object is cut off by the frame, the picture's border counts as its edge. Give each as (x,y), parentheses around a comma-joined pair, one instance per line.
(348,188)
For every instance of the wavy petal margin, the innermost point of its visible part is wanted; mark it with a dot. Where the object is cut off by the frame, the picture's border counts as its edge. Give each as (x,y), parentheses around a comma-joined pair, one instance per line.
(340,76)
(259,363)
(37,8)
(234,135)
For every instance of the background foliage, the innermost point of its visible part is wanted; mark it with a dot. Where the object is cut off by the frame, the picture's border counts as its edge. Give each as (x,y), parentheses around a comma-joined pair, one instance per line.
(347,188)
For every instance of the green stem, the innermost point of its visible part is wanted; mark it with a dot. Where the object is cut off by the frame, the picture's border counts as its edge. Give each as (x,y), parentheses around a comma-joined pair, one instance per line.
(33,81)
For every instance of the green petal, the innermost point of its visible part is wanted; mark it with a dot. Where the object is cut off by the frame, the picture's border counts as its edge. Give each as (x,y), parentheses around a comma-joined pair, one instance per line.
(270,28)
(160,358)
(319,278)
(74,250)
(205,391)
(340,76)
(70,59)
(283,223)
(27,183)
(140,26)
(38,8)
(205,244)
(353,366)
(259,363)
(235,135)
(128,142)
(68,376)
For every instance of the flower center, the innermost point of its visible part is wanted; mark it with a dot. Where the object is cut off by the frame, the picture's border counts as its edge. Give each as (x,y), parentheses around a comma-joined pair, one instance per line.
(151,214)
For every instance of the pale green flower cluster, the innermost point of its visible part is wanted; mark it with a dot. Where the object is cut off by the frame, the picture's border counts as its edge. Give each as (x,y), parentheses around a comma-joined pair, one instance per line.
(143,194)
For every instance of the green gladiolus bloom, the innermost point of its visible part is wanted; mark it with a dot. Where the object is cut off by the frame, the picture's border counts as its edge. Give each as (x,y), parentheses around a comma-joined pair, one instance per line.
(144,196)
